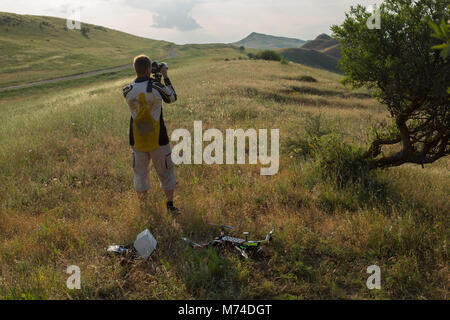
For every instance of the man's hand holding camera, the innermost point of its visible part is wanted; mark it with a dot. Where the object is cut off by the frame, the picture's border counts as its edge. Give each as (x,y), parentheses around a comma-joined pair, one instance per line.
(164,71)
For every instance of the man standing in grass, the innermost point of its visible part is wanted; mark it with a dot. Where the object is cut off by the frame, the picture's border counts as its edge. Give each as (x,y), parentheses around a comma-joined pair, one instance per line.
(148,134)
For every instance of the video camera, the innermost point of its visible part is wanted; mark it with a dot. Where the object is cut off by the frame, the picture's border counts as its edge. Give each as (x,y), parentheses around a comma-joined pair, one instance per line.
(156,67)
(156,70)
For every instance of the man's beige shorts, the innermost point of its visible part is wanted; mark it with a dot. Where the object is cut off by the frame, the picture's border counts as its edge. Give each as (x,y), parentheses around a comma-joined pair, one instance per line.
(162,161)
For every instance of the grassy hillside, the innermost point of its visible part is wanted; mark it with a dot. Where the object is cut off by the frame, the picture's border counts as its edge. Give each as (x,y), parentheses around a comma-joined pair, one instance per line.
(36,48)
(267,42)
(325,44)
(311,58)
(322,42)
(333,51)
(66,194)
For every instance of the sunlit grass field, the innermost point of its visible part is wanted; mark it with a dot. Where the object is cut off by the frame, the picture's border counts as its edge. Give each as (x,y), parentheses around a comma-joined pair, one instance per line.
(66,194)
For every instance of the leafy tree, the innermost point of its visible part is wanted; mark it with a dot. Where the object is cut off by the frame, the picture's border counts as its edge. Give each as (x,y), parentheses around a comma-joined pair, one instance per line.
(442,32)
(409,77)
(269,55)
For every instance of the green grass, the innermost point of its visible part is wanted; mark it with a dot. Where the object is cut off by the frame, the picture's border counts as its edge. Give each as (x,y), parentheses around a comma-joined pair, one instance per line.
(311,58)
(34,48)
(66,193)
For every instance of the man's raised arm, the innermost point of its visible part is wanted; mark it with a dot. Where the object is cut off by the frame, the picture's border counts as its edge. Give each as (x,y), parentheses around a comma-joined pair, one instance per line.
(167,92)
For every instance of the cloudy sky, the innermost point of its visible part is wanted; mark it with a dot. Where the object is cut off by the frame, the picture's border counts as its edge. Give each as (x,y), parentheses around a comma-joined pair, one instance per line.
(199,21)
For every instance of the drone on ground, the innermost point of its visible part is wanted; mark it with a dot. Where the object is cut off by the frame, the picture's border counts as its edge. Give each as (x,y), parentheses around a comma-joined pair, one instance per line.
(243,246)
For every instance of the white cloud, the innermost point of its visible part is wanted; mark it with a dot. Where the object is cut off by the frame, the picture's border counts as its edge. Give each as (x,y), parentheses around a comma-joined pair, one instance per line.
(200,21)
(173,14)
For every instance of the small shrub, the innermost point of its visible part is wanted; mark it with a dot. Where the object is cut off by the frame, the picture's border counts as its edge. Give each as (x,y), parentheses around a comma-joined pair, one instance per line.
(339,162)
(316,126)
(307,79)
(85,31)
(269,55)
(303,146)
(284,61)
(46,24)
(100,28)
(251,55)
(299,147)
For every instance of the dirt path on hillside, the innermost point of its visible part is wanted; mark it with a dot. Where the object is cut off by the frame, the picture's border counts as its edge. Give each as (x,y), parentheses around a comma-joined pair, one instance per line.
(72,77)
(171,53)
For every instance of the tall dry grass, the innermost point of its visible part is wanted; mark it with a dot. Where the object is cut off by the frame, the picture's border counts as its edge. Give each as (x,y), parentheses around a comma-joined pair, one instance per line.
(66,194)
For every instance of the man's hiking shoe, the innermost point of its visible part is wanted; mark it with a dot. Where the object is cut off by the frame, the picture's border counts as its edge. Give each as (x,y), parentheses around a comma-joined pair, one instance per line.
(172,209)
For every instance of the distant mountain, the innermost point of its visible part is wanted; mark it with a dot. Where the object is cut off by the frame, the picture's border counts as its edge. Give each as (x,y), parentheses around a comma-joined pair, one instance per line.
(325,44)
(311,58)
(323,52)
(265,42)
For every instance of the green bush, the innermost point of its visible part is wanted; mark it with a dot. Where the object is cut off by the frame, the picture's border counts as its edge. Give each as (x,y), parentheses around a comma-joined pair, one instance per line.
(299,147)
(85,31)
(302,146)
(339,162)
(307,79)
(269,55)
